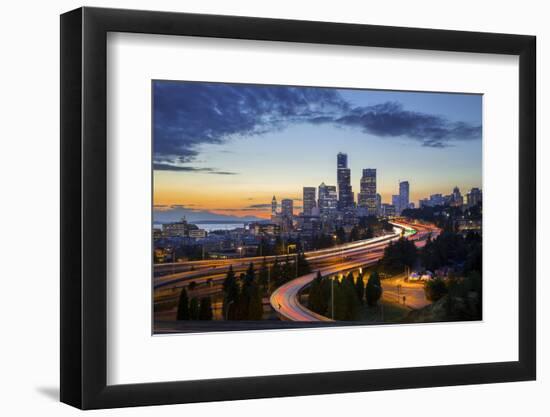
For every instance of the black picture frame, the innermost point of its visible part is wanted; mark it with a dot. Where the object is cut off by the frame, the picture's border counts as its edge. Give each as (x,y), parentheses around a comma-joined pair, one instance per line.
(84,207)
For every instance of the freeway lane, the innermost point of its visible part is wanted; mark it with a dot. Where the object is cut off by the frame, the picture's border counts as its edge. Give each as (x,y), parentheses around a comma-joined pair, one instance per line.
(208,269)
(285,300)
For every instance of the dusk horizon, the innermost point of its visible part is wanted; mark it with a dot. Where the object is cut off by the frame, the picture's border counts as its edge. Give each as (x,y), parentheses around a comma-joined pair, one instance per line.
(284,206)
(224,150)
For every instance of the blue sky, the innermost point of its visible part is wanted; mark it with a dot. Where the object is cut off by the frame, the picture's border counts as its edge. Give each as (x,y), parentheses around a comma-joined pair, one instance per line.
(227,148)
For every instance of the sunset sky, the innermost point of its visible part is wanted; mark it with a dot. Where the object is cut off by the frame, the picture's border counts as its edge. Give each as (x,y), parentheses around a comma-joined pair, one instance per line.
(226,149)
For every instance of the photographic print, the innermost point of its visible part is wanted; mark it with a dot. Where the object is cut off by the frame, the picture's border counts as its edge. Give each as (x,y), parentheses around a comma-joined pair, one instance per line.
(279,207)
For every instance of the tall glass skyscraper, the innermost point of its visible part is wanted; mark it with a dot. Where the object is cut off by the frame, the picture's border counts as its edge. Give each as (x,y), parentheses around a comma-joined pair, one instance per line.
(367,196)
(342,160)
(343,176)
(287,208)
(309,200)
(328,199)
(403,195)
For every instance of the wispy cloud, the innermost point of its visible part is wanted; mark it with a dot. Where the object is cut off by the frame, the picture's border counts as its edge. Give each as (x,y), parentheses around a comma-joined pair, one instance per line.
(186,168)
(189,114)
(260,206)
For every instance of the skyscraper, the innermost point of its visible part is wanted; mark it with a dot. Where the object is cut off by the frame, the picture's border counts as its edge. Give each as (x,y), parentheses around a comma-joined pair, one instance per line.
(343,176)
(342,160)
(437,200)
(403,195)
(328,200)
(309,200)
(287,208)
(367,196)
(456,198)
(396,203)
(473,197)
(274,206)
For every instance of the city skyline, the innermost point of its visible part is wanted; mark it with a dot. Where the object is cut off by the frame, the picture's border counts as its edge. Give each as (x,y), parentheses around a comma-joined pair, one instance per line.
(276,140)
(366,197)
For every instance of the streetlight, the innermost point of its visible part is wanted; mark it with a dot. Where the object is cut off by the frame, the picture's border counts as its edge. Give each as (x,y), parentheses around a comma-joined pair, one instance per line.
(240,249)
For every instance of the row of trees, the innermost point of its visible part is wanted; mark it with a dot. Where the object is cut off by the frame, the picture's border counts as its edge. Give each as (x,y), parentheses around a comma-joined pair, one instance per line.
(193,309)
(451,249)
(345,294)
(444,216)
(398,255)
(461,296)
(242,296)
(271,276)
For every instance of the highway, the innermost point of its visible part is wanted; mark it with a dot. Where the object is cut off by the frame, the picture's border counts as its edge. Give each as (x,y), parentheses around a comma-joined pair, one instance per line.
(200,271)
(285,299)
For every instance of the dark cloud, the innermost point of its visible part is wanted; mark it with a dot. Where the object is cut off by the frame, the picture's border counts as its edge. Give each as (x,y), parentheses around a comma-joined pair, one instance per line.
(224,173)
(188,114)
(391,120)
(185,168)
(260,206)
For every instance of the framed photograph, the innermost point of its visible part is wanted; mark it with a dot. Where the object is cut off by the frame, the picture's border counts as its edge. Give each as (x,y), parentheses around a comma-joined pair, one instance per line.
(257,208)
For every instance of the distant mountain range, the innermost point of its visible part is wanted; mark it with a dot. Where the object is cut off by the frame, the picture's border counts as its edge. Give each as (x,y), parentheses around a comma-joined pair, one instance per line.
(198,216)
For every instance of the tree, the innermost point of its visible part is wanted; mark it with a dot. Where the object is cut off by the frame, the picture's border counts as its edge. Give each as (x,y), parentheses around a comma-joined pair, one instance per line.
(349,298)
(398,255)
(435,289)
(230,294)
(355,234)
(255,306)
(373,289)
(263,275)
(288,271)
(387,226)
(241,304)
(360,287)
(250,274)
(315,296)
(341,235)
(276,272)
(205,311)
(303,265)
(369,234)
(183,306)
(349,278)
(194,309)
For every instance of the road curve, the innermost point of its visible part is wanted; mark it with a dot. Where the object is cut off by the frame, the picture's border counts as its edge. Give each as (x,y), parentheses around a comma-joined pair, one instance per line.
(284,299)
(206,269)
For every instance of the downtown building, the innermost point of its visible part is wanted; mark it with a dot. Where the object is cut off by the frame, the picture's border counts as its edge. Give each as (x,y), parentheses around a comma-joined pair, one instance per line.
(308,198)
(343,179)
(403,196)
(395,202)
(367,198)
(328,199)
(387,210)
(474,197)
(455,199)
